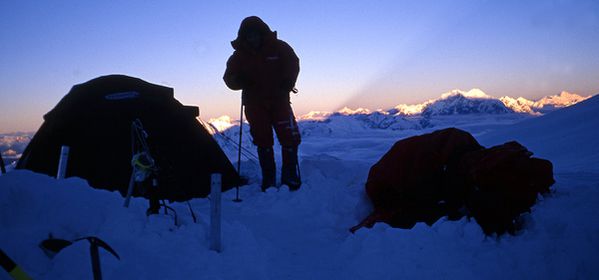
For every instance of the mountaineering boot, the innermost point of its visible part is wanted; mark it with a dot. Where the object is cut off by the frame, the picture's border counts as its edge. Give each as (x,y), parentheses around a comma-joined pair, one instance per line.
(267,164)
(290,170)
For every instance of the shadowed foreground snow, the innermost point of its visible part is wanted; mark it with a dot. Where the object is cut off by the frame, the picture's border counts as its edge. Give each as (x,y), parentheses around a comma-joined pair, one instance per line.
(283,235)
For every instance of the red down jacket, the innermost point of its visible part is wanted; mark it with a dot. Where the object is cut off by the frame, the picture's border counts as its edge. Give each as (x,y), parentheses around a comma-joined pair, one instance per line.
(265,75)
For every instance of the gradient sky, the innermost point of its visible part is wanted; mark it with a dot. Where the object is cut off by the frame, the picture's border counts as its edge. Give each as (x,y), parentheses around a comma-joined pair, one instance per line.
(373,54)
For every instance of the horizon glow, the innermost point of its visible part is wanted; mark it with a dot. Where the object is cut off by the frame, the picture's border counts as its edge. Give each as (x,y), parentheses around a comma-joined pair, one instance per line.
(370,54)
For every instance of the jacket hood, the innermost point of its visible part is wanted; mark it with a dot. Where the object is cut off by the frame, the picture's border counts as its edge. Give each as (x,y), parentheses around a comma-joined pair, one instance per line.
(252,24)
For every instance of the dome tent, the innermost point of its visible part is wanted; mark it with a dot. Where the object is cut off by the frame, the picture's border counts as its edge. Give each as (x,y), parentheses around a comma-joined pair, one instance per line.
(95,118)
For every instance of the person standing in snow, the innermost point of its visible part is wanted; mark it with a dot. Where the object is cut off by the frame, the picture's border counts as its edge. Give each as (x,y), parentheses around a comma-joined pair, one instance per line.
(266,69)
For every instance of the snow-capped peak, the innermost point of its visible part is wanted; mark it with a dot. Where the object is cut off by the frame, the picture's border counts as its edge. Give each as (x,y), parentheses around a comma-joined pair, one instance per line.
(221,123)
(457,102)
(519,105)
(417,109)
(315,115)
(410,110)
(563,99)
(545,104)
(473,93)
(321,115)
(348,111)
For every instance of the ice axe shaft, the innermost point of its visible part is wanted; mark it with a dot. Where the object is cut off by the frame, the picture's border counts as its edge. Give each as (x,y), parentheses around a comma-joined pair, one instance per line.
(95,256)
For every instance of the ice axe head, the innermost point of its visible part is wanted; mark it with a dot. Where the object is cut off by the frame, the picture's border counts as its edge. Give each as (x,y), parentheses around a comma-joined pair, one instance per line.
(98,243)
(53,246)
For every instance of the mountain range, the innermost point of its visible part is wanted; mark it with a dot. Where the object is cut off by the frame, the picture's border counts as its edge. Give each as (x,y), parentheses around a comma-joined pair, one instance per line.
(461,107)
(470,106)
(458,102)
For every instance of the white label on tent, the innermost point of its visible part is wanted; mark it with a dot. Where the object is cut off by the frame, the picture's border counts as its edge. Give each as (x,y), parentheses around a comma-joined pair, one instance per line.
(122,95)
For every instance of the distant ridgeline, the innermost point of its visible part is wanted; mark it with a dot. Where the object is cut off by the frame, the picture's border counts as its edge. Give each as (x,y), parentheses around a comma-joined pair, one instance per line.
(400,117)
(459,103)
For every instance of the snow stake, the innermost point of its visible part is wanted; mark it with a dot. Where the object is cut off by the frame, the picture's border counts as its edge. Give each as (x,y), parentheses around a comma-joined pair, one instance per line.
(62,163)
(215,212)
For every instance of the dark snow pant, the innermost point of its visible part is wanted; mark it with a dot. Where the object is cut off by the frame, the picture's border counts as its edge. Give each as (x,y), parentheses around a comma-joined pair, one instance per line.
(263,117)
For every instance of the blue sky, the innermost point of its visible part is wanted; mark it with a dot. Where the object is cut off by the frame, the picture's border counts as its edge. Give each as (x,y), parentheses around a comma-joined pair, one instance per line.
(373,54)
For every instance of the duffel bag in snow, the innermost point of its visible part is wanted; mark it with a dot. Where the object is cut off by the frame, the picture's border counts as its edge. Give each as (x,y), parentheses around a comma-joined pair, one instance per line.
(503,182)
(410,182)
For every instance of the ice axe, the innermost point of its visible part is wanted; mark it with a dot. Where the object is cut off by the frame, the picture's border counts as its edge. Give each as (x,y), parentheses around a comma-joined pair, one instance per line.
(52,246)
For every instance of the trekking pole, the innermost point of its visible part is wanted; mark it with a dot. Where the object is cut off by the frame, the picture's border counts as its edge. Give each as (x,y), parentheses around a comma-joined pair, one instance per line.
(237,199)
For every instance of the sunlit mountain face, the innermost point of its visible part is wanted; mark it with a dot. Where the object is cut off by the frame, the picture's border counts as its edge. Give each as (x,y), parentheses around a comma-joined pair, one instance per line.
(453,108)
(474,101)
(543,105)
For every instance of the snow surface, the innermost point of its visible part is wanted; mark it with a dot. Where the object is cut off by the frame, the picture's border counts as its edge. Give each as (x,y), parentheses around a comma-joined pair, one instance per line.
(304,234)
